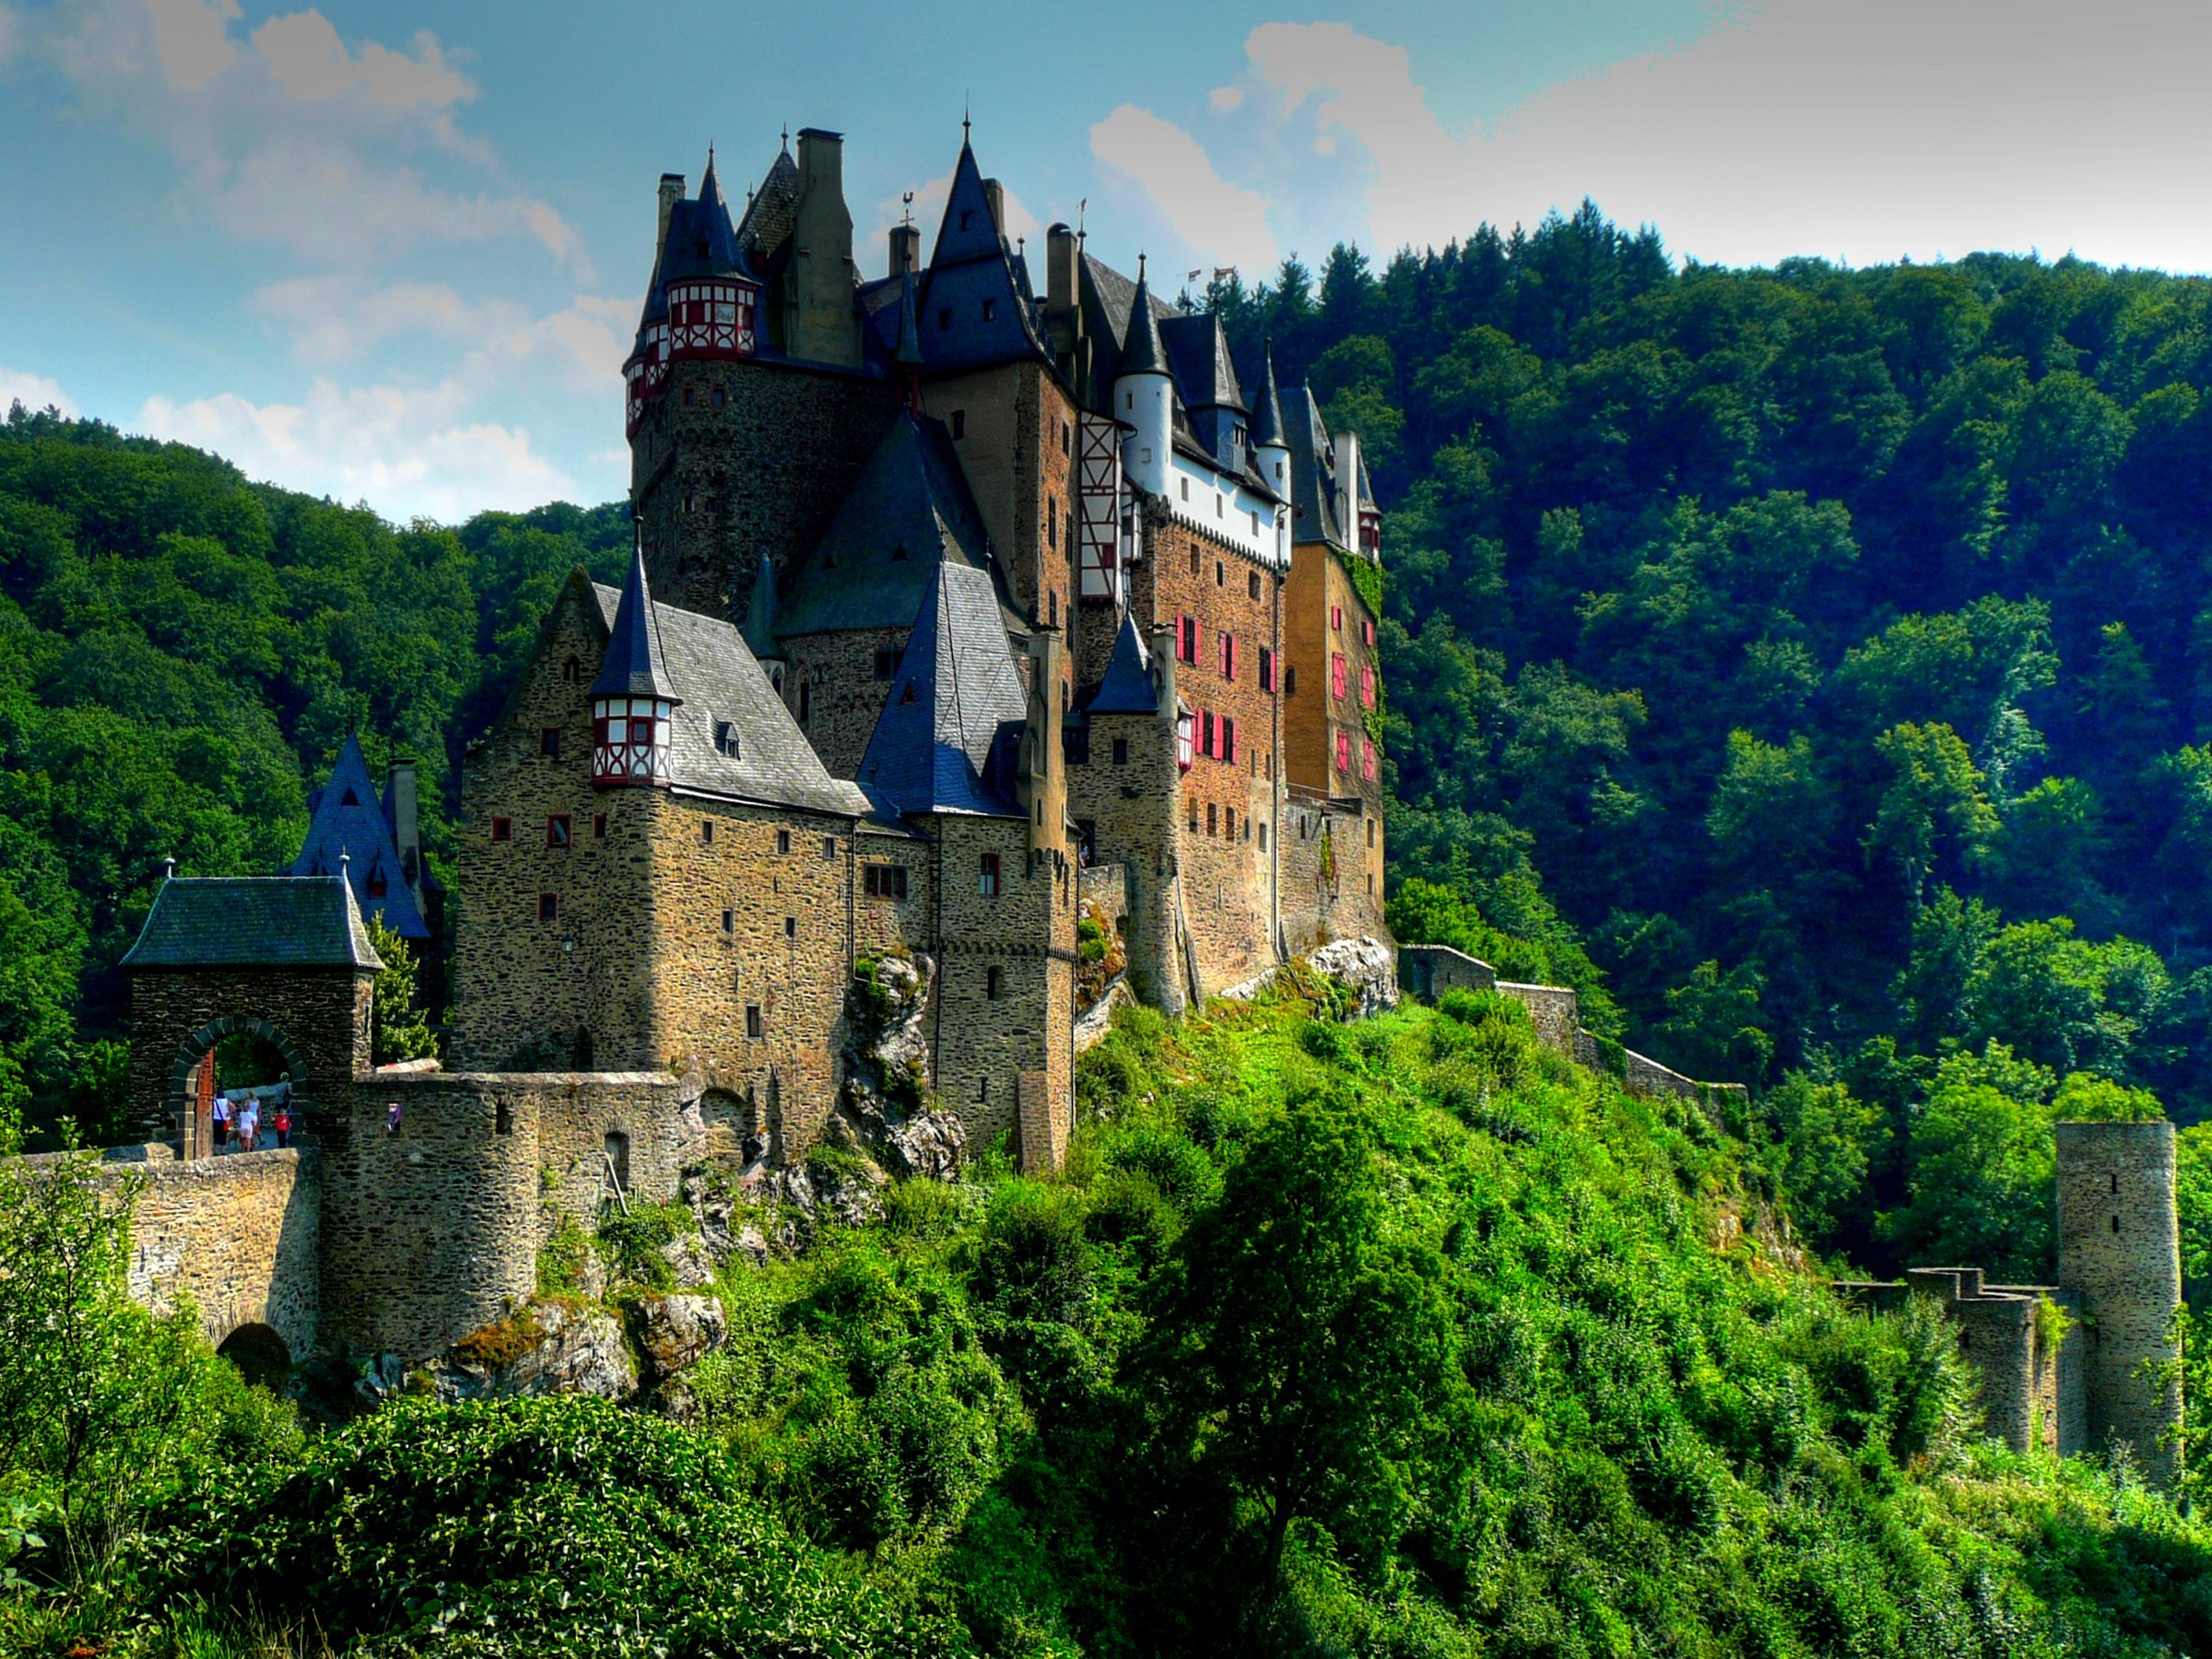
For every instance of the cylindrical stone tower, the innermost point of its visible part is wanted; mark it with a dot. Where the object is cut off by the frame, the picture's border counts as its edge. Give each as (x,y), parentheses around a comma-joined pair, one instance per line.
(2119,1247)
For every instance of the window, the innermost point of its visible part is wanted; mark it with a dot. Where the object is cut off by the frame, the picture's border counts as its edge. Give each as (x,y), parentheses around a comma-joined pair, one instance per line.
(1367,759)
(598,826)
(1367,685)
(549,907)
(790,927)
(1228,822)
(1068,439)
(1228,737)
(706,832)
(1120,751)
(887,663)
(990,310)
(1251,578)
(987,879)
(1052,521)
(718,397)
(689,394)
(377,886)
(548,742)
(829,847)
(1343,751)
(502,830)
(1336,617)
(1212,818)
(1339,675)
(1289,679)
(729,921)
(1074,744)
(1194,561)
(726,738)
(556,830)
(806,701)
(1262,838)
(966,215)
(884,881)
(994,984)
(784,841)
(1053,608)
(1266,669)
(1186,638)
(502,1117)
(1371,832)
(571,671)
(752,1021)
(1186,487)
(1193,816)
(960,423)
(1229,657)
(1220,574)
(1205,732)
(1366,629)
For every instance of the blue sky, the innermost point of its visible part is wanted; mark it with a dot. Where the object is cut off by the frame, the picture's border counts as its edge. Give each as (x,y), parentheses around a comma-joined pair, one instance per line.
(393,253)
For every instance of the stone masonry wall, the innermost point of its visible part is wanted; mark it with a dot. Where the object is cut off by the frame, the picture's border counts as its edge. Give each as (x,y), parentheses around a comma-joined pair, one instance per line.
(716,486)
(1330,873)
(1130,806)
(319,1017)
(832,691)
(574,990)
(786,952)
(2119,1247)
(1429,970)
(1014,440)
(236,1234)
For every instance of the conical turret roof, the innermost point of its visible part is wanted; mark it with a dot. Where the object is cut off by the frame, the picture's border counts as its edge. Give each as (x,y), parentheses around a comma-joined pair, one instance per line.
(1268,409)
(1141,350)
(633,665)
(1128,688)
(348,832)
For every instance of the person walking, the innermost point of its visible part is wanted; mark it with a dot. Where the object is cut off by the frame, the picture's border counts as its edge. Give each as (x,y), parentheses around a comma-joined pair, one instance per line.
(220,1116)
(283,1122)
(249,1124)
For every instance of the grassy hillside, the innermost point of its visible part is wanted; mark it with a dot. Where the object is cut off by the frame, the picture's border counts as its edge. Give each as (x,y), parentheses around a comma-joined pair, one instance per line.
(1399,1337)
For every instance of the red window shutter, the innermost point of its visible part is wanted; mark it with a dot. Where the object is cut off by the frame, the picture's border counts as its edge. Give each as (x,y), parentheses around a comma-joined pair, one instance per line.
(1336,673)
(1343,751)
(1367,686)
(1367,759)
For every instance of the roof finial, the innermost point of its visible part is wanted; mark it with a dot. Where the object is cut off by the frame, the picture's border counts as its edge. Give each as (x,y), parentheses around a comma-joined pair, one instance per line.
(908,200)
(787,134)
(345,864)
(168,867)
(965,123)
(1140,264)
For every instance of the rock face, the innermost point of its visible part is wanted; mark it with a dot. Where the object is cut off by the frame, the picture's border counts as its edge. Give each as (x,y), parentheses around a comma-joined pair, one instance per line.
(690,1262)
(548,1349)
(1367,966)
(675,1333)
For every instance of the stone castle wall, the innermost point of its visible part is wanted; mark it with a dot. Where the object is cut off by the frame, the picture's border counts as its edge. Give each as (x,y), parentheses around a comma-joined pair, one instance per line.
(237,1236)
(2119,1246)
(1329,874)
(1129,806)
(316,1018)
(832,690)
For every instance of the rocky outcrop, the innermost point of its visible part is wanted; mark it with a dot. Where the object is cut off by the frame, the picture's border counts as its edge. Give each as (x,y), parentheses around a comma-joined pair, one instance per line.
(548,1347)
(675,1332)
(1367,966)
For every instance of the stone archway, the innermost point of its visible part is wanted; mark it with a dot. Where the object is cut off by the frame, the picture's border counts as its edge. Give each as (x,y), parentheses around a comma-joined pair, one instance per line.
(262,1356)
(192,1052)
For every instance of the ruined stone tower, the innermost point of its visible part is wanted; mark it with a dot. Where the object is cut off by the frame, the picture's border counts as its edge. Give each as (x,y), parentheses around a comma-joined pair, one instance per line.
(2119,1247)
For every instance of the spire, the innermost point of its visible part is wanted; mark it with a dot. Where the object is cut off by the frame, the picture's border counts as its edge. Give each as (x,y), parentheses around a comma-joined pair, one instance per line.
(633,666)
(710,188)
(1141,351)
(1267,409)
(1128,688)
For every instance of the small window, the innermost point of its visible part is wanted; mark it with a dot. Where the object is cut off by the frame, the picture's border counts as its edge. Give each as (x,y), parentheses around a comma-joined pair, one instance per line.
(1220,574)
(1366,629)
(829,847)
(1068,439)
(1371,832)
(1053,608)
(1262,838)
(1251,579)
(688,395)
(718,397)
(994,984)
(987,879)
(884,881)
(571,671)
(556,830)
(806,701)
(790,927)
(2115,1224)
(502,1117)
(965,216)
(502,830)
(990,310)
(1194,561)
(548,742)
(1336,617)
(752,1021)
(549,907)
(1120,751)
(598,826)
(1289,679)
(1186,487)
(1228,822)
(726,739)
(1266,669)
(886,662)
(1339,675)
(960,423)
(706,831)
(1229,738)
(729,921)
(1213,818)
(1367,685)
(784,841)
(1344,752)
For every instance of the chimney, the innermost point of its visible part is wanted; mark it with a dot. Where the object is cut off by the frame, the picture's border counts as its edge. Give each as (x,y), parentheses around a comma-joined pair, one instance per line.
(995,194)
(1348,485)
(906,249)
(672,192)
(1063,314)
(828,324)
(407,834)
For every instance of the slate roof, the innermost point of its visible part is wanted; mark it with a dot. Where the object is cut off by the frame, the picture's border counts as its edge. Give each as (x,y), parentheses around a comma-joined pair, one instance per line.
(717,678)
(253,922)
(1128,688)
(939,744)
(908,512)
(1312,471)
(1141,351)
(772,213)
(348,820)
(1198,352)
(633,665)
(700,242)
(973,269)
(1268,409)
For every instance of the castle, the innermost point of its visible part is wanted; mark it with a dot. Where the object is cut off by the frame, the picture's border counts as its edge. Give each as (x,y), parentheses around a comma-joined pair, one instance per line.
(959,616)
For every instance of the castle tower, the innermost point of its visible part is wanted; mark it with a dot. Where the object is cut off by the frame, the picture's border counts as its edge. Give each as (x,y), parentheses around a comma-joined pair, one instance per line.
(633,708)
(2119,1246)
(1271,451)
(1144,396)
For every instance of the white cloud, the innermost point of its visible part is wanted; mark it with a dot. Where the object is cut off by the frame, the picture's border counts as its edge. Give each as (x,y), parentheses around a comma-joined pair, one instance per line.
(1225,222)
(335,321)
(1867,132)
(310,61)
(408,451)
(193,39)
(32,391)
(1226,97)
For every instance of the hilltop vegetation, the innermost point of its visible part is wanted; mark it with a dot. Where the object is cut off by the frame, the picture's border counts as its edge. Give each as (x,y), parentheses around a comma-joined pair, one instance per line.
(1400,1338)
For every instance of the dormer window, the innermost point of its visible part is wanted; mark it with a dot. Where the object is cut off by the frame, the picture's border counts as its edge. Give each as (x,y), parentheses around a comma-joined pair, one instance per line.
(965,216)
(726,739)
(377,886)
(990,310)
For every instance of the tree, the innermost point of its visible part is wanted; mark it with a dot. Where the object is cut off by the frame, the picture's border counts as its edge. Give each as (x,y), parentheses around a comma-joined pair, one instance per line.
(402,1029)
(1934,802)
(1982,1160)
(1828,1141)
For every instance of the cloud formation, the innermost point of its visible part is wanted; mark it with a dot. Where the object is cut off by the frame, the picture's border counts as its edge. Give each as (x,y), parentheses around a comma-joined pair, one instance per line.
(1220,221)
(32,391)
(310,61)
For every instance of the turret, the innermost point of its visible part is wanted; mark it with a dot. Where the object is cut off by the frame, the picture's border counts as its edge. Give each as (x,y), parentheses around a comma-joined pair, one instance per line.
(704,300)
(1144,396)
(1271,453)
(633,706)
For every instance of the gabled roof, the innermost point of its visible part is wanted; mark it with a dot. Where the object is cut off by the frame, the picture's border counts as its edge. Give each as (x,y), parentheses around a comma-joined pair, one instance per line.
(975,306)
(349,823)
(253,922)
(1128,688)
(1312,471)
(717,679)
(1198,354)
(633,664)
(937,745)
(909,512)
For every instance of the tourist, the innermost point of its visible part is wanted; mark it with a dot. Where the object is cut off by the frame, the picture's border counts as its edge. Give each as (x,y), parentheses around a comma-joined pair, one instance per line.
(283,1122)
(392,1118)
(249,1124)
(219,1119)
